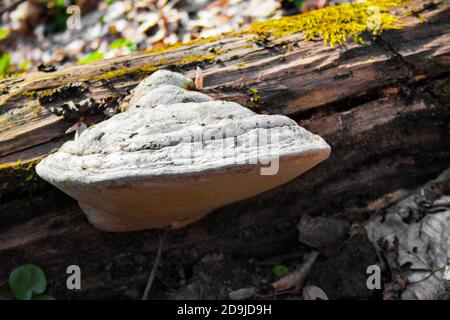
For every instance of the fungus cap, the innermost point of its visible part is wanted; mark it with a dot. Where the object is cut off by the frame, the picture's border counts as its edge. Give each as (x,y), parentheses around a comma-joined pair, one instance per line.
(171,164)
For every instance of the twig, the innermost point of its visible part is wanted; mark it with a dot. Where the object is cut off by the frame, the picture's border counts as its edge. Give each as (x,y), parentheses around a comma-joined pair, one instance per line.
(198,79)
(151,278)
(432,272)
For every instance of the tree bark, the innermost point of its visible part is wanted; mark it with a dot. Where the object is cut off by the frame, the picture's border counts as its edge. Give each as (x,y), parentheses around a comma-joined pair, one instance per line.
(382,106)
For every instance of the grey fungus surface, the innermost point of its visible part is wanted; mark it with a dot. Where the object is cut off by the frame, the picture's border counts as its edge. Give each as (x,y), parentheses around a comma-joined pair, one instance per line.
(158,79)
(175,156)
(166,95)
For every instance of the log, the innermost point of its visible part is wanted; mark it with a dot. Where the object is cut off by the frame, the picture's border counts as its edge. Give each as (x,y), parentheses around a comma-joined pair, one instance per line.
(382,106)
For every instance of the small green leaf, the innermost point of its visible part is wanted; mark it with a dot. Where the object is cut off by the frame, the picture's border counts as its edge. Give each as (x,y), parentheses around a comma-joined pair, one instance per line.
(27,280)
(4,63)
(93,56)
(280,270)
(131,47)
(43,297)
(120,43)
(24,65)
(299,4)
(3,33)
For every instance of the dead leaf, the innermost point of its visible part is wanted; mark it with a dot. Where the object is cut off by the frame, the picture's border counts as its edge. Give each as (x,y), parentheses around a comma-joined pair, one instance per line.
(242,294)
(217,4)
(314,293)
(415,241)
(447,273)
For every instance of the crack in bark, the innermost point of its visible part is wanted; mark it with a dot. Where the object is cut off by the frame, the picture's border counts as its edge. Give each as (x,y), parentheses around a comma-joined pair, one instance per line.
(406,63)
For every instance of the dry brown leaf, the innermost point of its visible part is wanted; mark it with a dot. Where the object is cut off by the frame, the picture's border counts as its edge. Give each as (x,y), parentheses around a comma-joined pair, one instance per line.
(314,293)
(217,4)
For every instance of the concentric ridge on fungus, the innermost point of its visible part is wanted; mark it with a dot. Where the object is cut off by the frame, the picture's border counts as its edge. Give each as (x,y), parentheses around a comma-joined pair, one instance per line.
(175,156)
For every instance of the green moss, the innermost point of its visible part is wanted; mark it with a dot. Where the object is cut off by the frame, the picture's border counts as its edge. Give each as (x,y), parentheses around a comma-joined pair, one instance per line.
(37,108)
(25,193)
(13,75)
(31,94)
(184,44)
(29,205)
(40,94)
(19,175)
(335,24)
(422,18)
(254,94)
(125,72)
(445,94)
(146,70)
(217,50)
(46,93)
(164,61)
(255,98)
(93,56)
(190,59)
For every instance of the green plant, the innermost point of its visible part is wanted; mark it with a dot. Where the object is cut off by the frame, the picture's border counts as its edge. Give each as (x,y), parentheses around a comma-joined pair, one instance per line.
(298,4)
(93,56)
(280,270)
(121,43)
(24,65)
(5,60)
(28,282)
(4,33)
(445,94)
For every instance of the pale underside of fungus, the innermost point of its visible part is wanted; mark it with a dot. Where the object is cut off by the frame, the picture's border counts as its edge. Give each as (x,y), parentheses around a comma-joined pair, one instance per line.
(176,155)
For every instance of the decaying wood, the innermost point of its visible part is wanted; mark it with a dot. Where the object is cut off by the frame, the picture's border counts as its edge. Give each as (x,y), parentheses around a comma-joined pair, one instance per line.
(379,105)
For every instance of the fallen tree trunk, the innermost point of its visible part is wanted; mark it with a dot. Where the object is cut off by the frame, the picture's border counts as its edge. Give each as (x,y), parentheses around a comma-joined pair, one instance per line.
(382,106)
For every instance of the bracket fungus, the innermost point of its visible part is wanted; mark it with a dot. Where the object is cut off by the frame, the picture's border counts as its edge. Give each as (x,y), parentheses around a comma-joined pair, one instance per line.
(176,155)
